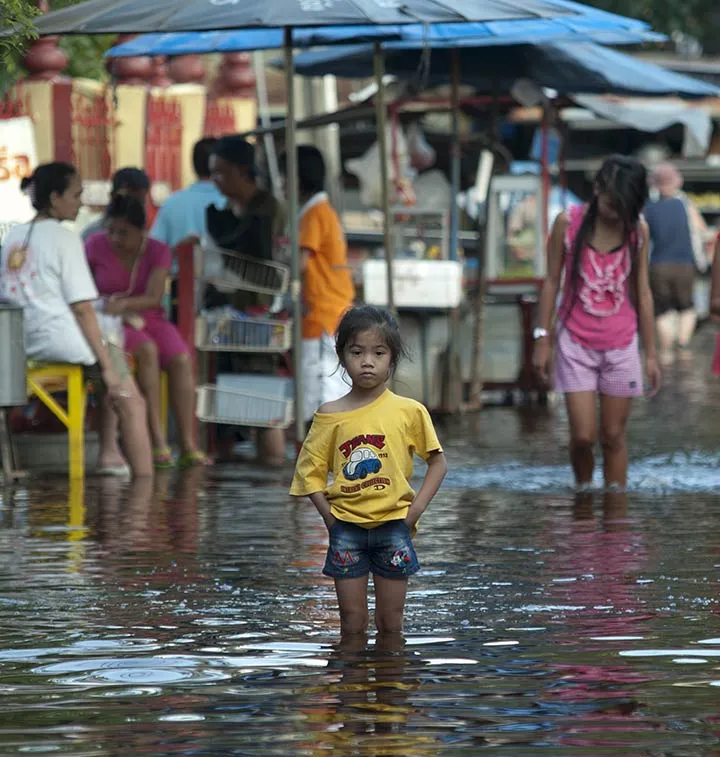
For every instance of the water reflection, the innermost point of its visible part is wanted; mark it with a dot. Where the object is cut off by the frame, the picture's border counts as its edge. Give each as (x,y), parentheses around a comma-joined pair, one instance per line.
(364,706)
(189,616)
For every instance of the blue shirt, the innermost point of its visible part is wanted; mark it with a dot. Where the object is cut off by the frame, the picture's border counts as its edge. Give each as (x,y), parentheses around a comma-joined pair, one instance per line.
(670,237)
(184,213)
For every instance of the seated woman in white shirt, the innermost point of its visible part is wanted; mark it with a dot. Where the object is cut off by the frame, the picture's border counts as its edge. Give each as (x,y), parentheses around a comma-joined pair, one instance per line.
(44,270)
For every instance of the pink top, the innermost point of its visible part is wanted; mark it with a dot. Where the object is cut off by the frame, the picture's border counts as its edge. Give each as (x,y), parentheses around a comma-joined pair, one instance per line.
(114,277)
(601,316)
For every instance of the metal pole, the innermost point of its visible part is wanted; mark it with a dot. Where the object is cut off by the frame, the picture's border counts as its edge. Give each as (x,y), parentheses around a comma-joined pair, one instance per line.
(380,116)
(265,121)
(545,170)
(455,155)
(295,273)
(452,378)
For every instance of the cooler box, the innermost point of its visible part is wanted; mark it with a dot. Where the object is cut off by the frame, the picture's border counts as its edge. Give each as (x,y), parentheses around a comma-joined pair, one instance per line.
(417,284)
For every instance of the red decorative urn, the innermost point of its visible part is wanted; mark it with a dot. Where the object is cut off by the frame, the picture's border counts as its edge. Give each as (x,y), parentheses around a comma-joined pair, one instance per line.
(236,77)
(187,69)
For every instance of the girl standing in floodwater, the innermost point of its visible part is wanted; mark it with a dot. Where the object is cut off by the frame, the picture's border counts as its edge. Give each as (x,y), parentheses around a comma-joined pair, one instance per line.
(600,254)
(367,440)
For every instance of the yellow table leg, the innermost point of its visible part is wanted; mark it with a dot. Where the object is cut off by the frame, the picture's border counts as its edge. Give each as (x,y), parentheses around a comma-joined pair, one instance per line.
(76,423)
(77,531)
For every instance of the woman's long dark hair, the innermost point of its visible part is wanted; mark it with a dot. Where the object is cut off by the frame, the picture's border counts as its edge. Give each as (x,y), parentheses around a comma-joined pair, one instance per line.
(624,181)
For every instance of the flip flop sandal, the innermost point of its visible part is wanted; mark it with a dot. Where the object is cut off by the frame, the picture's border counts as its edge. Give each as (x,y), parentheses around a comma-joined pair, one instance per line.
(194,460)
(113,471)
(162,459)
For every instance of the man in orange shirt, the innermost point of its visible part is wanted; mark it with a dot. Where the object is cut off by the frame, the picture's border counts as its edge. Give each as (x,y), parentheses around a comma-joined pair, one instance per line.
(328,289)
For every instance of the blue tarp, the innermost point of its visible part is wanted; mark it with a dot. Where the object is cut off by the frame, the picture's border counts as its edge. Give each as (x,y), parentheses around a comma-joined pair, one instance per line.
(568,68)
(574,21)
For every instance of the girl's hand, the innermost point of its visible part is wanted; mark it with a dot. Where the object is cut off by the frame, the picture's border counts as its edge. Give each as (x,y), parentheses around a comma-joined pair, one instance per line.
(654,377)
(330,521)
(114,386)
(541,360)
(134,321)
(114,307)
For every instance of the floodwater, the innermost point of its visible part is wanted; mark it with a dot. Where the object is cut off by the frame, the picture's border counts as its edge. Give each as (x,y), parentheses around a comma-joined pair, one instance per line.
(192,619)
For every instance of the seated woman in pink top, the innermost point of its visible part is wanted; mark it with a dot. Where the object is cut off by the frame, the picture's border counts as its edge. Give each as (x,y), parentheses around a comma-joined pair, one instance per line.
(131,272)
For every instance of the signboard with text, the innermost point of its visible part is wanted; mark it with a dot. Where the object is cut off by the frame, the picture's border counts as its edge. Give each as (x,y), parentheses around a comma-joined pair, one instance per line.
(18,158)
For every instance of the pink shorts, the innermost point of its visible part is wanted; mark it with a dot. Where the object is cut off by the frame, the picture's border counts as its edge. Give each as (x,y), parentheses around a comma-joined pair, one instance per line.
(163,334)
(615,373)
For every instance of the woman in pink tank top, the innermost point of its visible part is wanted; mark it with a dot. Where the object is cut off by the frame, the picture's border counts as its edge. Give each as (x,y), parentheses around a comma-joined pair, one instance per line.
(599,255)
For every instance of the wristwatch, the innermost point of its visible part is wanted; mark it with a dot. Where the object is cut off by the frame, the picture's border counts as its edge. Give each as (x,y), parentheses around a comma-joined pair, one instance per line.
(539,333)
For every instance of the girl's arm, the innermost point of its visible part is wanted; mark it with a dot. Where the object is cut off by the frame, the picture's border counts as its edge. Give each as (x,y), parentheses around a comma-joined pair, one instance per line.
(152,298)
(86,318)
(436,470)
(646,311)
(549,293)
(323,507)
(715,279)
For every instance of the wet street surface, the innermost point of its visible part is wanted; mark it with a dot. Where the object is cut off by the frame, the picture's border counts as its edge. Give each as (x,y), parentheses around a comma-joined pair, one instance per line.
(190,617)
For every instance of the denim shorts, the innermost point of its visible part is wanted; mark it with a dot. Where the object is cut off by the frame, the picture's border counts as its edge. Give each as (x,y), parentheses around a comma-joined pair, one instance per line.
(386,550)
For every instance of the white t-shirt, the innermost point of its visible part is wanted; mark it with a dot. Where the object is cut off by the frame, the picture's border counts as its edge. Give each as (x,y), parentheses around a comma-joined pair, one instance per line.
(45,274)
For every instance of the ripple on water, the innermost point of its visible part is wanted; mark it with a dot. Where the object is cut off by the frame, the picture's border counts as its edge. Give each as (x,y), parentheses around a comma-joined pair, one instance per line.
(214,633)
(138,671)
(659,474)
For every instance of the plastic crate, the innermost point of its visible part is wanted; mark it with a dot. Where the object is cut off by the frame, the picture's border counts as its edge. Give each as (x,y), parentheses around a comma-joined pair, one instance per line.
(240,407)
(223,333)
(253,275)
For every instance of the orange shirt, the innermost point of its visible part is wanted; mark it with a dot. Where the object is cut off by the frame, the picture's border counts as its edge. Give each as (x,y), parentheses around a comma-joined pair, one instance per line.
(328,289)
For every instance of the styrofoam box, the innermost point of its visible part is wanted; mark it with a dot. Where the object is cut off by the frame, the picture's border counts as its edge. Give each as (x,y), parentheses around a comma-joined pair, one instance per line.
(422,284)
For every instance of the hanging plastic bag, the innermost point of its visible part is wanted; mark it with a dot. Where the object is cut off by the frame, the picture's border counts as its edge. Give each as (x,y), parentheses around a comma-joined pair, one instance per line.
(367,169)
(422,155)
(111,326)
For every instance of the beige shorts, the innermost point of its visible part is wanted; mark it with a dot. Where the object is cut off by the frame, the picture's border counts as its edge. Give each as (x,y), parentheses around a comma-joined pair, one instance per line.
(93,373)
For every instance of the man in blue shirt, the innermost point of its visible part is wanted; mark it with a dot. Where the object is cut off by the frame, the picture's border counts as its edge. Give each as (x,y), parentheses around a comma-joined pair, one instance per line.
(184,213)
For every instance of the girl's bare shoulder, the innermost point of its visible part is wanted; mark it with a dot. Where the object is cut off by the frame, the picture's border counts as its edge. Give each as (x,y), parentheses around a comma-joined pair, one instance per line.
(336,406)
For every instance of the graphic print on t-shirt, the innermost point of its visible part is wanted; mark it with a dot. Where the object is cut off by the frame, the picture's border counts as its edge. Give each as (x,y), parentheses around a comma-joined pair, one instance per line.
(19,276)
(364,455)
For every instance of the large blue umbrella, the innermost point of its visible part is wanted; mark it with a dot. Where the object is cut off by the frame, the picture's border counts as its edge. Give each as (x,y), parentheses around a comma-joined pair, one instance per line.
(587,24)
(137,16)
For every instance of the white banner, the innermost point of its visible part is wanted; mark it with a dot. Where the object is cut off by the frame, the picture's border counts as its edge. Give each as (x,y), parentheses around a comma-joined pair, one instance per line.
(18,158)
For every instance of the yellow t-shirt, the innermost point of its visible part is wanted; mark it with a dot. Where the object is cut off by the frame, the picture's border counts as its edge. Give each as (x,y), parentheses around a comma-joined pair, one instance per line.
(328,289)
(369,454)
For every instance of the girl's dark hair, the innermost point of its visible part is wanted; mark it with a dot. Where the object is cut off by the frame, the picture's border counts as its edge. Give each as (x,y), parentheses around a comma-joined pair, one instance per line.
(46,179)
(127,208)
(624,181)
(370,318)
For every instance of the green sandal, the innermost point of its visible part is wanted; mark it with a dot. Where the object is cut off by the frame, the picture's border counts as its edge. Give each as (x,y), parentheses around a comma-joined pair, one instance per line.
(162,459)
(194,460)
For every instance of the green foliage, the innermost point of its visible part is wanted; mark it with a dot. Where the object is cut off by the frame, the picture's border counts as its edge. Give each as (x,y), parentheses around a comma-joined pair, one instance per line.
(85,53)
(16,14)
(697,18)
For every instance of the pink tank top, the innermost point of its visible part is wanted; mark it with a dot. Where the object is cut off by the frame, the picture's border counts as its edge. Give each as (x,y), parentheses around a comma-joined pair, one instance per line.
(598,311)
